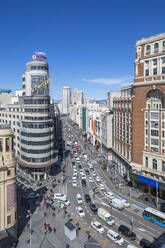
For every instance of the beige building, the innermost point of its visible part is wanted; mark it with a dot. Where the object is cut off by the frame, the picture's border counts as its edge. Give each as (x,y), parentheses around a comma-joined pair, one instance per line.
(8,199)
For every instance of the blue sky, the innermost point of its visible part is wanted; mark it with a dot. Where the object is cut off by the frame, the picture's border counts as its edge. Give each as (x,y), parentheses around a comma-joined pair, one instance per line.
(90,44)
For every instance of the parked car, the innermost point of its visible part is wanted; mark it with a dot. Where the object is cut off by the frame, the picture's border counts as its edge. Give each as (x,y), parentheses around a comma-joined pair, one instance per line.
(74,183)
(93,208)
(87,198)
(127,232)
(90,179)
(109,195)
(97,225)
(97,179)
(101,186)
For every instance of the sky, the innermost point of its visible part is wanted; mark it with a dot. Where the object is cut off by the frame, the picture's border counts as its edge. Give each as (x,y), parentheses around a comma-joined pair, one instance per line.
(90,44)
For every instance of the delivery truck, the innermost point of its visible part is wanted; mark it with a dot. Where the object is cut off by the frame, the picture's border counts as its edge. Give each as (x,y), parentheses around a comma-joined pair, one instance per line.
(106,216)
(117,203)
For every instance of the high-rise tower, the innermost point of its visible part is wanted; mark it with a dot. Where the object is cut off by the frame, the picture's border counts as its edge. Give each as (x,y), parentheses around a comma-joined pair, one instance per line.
(66,99)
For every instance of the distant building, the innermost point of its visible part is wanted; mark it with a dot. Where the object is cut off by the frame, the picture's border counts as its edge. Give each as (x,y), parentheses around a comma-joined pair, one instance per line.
(110,96)
(8,198)
(66,99)
(78,98)
(5,96)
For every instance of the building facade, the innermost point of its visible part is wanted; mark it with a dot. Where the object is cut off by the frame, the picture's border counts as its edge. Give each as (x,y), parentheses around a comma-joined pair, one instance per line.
(148,151)
(66,100)
(122,130)
(32,120)
(8,202)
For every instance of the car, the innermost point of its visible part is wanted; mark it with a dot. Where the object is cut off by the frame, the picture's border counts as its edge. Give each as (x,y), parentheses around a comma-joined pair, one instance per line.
(87,198)
(145,243)
(74,183)
(74,171)
(66,203)
(83,176)
(95,190)
(59,196)
(79,199)
(94,173)
(126,203)
(109,195)
(83,181)
(81,171)
(127,232)
(97,179)
(87,172)
(114,236)
(97,226)
(90,179)
(93,208)
(74,166)
(33,195)
(80,211)
(74,177)
(90,166)
(101,186)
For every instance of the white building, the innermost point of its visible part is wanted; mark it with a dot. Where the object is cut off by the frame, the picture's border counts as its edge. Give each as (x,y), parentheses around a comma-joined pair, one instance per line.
(66,99)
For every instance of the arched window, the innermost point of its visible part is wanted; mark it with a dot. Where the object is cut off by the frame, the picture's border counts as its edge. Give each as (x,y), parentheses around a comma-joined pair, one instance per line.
(148,48)
(163,44)
(146,162)
(154,164)
(156,45)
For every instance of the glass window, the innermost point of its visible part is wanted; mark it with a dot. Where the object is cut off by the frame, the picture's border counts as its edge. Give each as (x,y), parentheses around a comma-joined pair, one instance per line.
(163,70)
(156,45)
(154,132)
(154,164)
(163,44)
(154,142)
(163,143)
(8,219)
(1,140)
(154,124)
(146,72)
(8,172)
(146,115)
(163,165)
(148,48)
(154,115)
(163,60)
(7,144)
(146,162)
(146,131)
(163,115)
(155,62)
(155,71)
(162,124)
(163,134)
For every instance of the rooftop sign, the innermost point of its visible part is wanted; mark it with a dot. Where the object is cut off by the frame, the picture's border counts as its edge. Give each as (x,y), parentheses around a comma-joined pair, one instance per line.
(39,55)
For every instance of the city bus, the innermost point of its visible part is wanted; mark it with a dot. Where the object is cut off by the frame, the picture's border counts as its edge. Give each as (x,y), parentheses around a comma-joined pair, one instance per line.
(154,216)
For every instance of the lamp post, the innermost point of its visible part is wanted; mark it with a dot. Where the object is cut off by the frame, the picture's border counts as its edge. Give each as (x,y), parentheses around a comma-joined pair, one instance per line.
(30,228)
(157,195)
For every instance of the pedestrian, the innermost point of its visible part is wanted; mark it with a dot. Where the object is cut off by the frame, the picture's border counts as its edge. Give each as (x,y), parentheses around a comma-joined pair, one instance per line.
(54,229)
(45,214)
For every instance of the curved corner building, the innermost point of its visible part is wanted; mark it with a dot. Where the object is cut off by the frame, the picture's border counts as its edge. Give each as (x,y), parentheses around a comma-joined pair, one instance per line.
(36,144)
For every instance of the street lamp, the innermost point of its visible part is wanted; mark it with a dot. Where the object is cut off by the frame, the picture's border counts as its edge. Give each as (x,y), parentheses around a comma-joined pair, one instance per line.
(30,228)
(157,195)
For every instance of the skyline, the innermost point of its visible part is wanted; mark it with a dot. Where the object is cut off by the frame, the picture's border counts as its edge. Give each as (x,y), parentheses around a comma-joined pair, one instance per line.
(90,45)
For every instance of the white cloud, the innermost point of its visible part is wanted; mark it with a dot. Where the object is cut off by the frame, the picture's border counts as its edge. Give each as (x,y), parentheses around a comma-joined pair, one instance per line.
(110,81)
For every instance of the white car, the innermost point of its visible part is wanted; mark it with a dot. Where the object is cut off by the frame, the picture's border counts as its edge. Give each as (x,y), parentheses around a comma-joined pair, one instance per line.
(90,179)
(74,166)
(83,176)
(74,183)
(80,211)
(81,171)
(109,195)
(90,166)
(74,177)
(74,171)
(98,179)
(97,225)
(59,196)
(126,203)
(114,236)
(101,186)
(66,203)
(94,173)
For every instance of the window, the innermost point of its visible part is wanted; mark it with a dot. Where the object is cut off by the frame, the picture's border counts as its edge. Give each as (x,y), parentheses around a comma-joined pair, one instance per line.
(146,162)
(156,46)
(8,219)
(154,124)
(154,115)
(154,142)
(146,115)
(163,143)
(146,140)
(7,144)
(154,164)
(163,44)
(8,172)
(148,48)
(147,72)
(146,131)
(155,62)
(162,124)
(155,71)
(163,166)
(155,133)
(163,70)
(163,116)
(163,60)
(1,141)
(163,134)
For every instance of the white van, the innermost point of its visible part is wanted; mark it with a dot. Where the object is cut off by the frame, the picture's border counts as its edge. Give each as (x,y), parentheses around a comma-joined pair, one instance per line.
(79,199)
(114,236)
